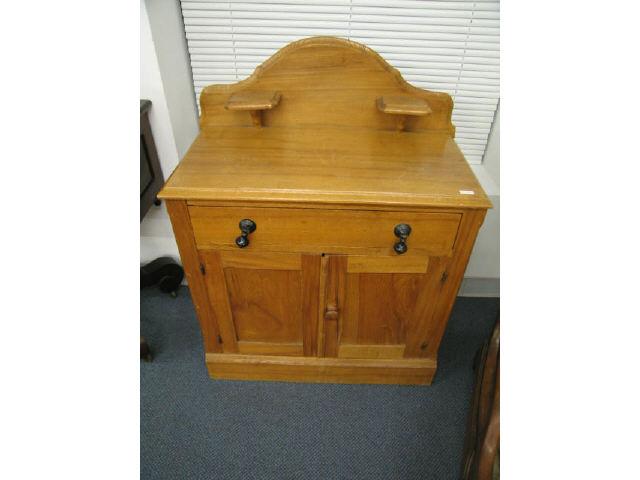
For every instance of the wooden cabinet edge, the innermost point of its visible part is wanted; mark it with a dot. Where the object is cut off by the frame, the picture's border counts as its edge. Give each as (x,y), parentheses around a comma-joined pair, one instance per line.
(383,207)
(321,369)
(374,207)
(468,232)
(408,363)
(181,224)
(312,201)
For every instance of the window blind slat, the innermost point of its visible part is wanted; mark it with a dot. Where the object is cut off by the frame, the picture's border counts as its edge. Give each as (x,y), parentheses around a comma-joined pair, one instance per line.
(451,46)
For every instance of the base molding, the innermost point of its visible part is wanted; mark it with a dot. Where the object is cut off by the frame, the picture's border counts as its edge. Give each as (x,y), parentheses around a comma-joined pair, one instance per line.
(419,371)
(479,287)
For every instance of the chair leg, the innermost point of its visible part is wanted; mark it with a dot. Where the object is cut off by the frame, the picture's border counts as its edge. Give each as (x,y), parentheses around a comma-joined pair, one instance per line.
(145,350)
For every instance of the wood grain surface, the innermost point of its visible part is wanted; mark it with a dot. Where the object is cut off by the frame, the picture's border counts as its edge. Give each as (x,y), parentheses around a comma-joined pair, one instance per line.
(325,231)
(346,151)
(326,165)
(326,81)
(321,370)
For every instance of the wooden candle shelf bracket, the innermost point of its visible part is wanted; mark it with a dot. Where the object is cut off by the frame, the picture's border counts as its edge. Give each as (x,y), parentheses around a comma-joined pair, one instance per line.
(253,102)
(402,106)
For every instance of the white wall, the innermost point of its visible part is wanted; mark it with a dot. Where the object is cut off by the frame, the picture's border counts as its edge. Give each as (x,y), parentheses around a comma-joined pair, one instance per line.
(491,160)
(165,79)
(167,30)
(482,277)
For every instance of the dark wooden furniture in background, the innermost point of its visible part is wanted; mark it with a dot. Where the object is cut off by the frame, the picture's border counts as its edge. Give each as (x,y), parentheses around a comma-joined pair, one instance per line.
(151,178)
(480,460)
(163,271)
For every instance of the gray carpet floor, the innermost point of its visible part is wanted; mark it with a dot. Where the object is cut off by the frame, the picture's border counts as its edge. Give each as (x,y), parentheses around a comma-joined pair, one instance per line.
(192,427)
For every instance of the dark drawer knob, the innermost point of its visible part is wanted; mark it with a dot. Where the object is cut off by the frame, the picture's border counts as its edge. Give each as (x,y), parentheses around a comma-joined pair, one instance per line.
(402,231)
(247,226)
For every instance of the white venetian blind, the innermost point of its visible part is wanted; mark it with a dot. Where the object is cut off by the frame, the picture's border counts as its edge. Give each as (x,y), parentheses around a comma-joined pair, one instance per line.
(449,46)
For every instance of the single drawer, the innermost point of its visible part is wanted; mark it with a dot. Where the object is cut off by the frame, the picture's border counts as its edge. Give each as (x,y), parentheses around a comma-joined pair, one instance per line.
(307,230)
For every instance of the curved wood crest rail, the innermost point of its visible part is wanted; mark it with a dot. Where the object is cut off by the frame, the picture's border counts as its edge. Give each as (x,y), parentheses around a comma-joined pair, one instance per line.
(326,81)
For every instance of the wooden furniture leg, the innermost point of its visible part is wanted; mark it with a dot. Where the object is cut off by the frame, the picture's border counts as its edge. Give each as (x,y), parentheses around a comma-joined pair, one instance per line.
(145,350)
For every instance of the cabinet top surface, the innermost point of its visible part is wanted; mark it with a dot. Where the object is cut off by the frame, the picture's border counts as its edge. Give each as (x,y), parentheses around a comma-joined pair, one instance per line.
(326,165)
(329,121)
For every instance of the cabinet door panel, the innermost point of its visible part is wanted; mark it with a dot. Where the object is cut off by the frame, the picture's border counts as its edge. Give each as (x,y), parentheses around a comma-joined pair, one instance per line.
(261,312)
(387,315)
(384,302)
(261,301)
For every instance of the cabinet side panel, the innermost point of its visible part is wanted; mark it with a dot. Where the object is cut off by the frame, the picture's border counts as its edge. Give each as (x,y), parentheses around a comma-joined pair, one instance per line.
(219,297)
(181,224)
(469,227)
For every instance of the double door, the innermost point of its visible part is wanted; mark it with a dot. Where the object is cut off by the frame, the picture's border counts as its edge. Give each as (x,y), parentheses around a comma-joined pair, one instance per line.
(324,305)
